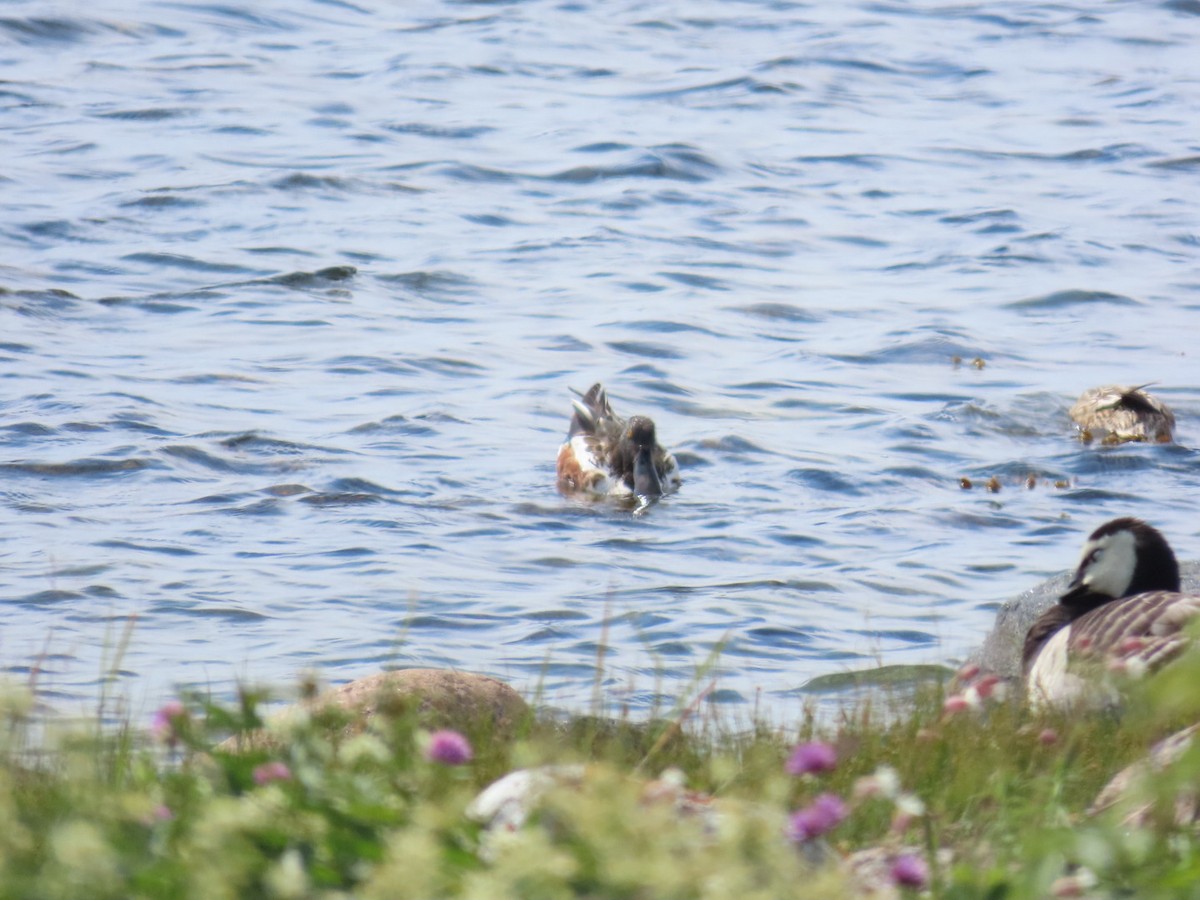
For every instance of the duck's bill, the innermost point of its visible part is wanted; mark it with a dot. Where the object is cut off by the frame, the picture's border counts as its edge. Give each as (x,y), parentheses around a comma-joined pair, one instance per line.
(1076,590)
(646,482)
(644,503)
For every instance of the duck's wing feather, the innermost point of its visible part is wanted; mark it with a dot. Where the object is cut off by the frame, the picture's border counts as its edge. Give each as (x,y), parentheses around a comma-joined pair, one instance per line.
(1123,411)
(594,416)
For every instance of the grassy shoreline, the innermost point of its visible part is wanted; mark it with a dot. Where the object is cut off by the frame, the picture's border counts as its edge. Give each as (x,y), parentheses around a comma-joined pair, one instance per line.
(927,795)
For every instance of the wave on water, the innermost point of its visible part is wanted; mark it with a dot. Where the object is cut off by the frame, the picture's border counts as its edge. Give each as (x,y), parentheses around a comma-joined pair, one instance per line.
(293,296)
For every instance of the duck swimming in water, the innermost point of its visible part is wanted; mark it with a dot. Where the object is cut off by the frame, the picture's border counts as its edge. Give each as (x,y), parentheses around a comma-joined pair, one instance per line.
(607,456)
(1114,414)
(1123,610)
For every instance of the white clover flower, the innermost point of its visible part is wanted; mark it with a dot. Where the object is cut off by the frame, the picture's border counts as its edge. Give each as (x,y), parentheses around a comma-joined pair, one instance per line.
(888,780)
(885,782)
(910,805)
(674,777)
(364,747)
(287,878)
(973,698)
(1135,667)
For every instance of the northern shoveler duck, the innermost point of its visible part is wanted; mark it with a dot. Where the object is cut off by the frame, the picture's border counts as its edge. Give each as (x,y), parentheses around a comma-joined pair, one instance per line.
(1114,414)
(1123,610)
(606,456)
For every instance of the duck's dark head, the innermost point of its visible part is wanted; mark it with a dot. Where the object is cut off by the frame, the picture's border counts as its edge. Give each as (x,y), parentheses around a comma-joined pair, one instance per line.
(639,436)
(1136,401)
(1122,558)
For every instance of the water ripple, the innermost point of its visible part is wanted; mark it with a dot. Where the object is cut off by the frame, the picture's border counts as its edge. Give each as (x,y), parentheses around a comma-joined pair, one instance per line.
(1061,299)
(80,468)
(293,354)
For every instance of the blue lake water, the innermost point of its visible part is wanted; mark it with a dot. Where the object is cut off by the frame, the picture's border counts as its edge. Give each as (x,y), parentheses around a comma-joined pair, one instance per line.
(292,295)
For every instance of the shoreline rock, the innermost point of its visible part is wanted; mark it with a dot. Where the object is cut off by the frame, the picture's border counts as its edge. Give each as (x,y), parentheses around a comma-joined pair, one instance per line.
(448,698)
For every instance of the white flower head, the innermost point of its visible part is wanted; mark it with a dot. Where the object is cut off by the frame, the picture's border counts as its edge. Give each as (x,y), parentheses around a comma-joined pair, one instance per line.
(888,780)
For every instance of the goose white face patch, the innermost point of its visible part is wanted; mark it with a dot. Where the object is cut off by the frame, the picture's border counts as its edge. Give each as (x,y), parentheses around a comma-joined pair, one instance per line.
(1109,562)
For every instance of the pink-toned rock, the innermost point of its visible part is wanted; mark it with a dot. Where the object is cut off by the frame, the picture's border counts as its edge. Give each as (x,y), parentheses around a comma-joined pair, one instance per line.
(440,697)
(456,699)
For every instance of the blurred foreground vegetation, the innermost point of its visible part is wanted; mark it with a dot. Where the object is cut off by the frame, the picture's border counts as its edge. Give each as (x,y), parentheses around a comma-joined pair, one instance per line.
(954,799)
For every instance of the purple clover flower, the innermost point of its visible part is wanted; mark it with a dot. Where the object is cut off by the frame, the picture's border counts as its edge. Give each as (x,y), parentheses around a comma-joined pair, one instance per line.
(449,748)
(814,757)
(910,871)
(165,725)
(272,771)
(160,813)
(820,816)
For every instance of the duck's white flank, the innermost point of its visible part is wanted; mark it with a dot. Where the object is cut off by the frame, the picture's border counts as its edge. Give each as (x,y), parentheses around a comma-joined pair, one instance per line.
(593,478)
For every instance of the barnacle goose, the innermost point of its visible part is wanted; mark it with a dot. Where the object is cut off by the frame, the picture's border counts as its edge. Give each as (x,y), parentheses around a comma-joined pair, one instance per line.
(1123,610)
